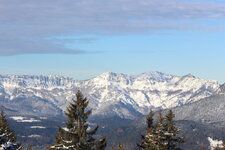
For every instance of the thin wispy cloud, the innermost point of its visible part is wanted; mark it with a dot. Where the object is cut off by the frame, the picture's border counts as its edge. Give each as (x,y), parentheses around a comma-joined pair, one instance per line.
(25,24)
(18,46)
(71,39)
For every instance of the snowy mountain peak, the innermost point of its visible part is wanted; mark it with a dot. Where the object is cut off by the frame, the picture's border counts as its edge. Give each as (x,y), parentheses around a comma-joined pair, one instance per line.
(35,81)
(156,76)
(189,76)
(221,89)
(112,76)
(109,93)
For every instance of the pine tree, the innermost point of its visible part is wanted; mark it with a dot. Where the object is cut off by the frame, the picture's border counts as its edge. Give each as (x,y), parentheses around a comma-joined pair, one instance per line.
(163,135)
(149,141)
(171,133)
(150,120)
(7,136)
(77,135)
(160,132)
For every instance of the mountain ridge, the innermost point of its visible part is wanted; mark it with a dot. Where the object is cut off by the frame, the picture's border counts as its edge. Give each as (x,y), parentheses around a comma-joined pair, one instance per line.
(110,94)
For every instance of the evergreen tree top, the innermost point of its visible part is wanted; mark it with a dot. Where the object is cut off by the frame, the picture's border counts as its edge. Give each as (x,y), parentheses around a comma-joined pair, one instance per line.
(149,119)
(162,135)
(78,135)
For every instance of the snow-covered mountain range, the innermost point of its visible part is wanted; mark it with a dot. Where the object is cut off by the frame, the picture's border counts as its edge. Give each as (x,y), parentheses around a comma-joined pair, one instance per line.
(110,94)
(209,110)
(198,121)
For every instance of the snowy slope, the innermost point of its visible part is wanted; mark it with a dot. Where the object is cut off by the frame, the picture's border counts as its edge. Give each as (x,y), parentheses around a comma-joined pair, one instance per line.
(214,143)
(197,121)
(110,94)
(209,110)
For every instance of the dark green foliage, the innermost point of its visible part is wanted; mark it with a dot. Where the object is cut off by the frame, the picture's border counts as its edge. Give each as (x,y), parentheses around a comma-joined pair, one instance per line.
(171,132)
(5,129)
(160,132)
(150,119)
(7,136)
(163,135)
(77,135)
(149,141)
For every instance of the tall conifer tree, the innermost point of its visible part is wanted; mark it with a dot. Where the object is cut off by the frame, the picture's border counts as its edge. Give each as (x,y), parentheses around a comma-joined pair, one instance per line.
(7,136)
(77,135)
(171,133)
(160,132)
(163,135)
(149,140)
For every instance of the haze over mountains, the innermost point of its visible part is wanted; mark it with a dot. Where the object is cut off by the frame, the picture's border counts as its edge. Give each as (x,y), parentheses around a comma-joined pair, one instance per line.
(110,94)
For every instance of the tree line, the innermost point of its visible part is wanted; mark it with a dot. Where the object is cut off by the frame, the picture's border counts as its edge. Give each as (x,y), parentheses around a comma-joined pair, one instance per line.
(161,134)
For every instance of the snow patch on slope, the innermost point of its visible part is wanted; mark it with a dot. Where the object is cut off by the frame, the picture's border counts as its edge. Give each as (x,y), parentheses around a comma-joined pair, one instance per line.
(38,127)
(215,143)
(24,119)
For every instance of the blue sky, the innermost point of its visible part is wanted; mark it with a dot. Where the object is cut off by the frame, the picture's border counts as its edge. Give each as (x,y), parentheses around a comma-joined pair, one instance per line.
(84,38)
